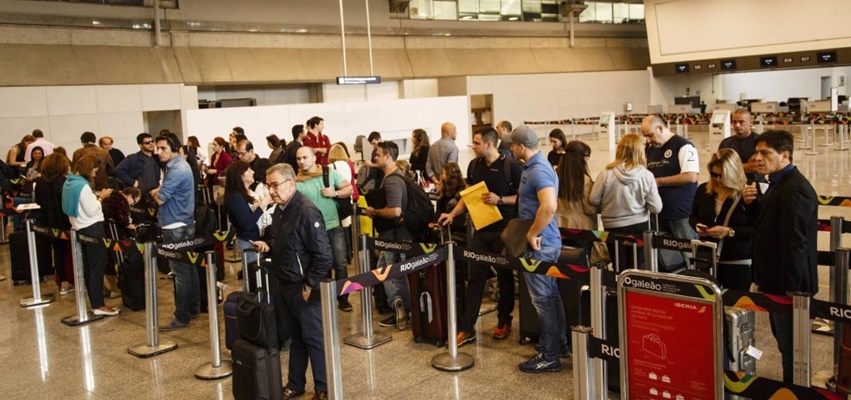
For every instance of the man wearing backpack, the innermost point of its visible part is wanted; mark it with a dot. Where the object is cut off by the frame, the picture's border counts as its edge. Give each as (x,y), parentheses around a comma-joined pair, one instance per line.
(384,220)
(501,174)
(311,183)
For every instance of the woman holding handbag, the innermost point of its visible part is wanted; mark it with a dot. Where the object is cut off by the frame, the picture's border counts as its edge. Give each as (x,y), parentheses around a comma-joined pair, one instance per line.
(718,215)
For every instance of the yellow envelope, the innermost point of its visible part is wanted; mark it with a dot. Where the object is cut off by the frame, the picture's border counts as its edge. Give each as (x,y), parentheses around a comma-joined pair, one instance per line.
(482,214)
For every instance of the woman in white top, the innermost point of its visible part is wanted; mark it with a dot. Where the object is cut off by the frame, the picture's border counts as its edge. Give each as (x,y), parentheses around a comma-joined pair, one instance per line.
(338,158)
(83,208)
(626,193)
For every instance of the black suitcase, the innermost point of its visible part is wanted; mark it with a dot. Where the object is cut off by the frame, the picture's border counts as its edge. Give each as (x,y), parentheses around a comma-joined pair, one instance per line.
(131,281)
(230,305)
(530,326)
(256,372)
(20,257)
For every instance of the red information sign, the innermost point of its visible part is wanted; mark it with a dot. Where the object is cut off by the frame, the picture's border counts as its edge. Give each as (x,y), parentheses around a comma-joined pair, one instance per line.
(670,343)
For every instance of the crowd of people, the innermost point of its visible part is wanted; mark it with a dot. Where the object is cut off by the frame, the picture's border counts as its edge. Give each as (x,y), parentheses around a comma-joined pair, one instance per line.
(287,206)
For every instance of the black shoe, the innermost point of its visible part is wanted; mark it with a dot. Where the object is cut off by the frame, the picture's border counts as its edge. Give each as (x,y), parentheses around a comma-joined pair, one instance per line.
(384,310)
(388,322)
(291,394)
(344,305)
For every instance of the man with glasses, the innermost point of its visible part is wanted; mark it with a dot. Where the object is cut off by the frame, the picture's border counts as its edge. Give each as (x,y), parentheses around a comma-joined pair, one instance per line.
(245,152)
(298,245)
(311,183)
(674,162)
(385,220)
(140,169)
(176,200)
(744,144)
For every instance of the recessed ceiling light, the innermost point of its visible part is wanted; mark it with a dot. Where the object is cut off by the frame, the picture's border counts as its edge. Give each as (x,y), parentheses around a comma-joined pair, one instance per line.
(95,22)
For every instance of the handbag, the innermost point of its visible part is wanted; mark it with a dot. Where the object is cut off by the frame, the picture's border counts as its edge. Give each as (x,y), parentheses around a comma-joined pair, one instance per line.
(256,322)
(514,236)
(344,205)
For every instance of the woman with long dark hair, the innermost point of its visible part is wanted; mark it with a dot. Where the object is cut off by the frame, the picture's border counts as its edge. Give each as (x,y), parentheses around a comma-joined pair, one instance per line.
(200,155)
(243,208)
(83,208)
(574,204)
(449,191)
(15,157)
(419,155)
(278,146)
(557,140)
(219,160)
(48,195)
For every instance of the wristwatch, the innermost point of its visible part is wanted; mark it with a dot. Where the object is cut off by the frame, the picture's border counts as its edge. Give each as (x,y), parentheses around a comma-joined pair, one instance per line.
(731,233)
(500,201)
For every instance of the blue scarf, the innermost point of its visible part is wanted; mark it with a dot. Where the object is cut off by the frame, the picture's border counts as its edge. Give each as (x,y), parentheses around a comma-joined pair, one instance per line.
(71,194)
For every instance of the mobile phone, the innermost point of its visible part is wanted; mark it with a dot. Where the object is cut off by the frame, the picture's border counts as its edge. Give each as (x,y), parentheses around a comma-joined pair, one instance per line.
(701,227)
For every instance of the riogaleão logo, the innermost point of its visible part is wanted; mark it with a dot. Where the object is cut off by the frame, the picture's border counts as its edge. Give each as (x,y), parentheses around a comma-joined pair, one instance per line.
(152,211)
(428,247)
(530,267)
(107,243)
(221,235)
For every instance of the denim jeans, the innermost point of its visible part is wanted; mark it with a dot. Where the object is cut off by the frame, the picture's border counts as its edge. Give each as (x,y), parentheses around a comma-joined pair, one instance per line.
(680,229)
(337,238)
(243,245)
(395,288)
(547,301)
(187,294)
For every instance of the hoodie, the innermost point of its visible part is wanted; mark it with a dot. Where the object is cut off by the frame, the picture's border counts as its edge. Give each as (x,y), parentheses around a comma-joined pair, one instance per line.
(625,197)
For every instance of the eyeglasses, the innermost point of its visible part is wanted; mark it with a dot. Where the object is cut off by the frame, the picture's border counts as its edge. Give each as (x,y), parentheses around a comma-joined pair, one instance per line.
(275,185)
(714,175)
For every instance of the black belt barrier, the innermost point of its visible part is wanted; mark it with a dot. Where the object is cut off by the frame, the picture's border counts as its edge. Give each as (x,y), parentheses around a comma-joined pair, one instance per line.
(398,270)
(604,349)
(671,243)
(409,248)
(838,201)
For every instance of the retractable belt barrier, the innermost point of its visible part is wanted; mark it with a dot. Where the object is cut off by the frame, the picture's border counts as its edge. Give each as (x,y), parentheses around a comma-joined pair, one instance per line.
(838,201)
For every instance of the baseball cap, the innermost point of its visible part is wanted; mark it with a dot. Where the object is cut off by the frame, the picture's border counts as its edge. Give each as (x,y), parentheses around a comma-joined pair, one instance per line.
(524,135)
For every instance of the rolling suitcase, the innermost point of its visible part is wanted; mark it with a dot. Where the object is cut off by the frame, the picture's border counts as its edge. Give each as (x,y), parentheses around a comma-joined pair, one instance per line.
(231,303)
(530,326)
(428,303)
(20,257)
(256,372)
(740,324)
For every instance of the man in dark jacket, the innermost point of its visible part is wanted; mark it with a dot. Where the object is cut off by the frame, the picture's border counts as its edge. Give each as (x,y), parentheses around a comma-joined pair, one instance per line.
(140,169)
(785,233)
(300,258)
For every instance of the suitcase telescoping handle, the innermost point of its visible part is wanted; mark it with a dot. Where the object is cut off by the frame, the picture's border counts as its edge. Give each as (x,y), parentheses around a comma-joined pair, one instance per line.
(711,259)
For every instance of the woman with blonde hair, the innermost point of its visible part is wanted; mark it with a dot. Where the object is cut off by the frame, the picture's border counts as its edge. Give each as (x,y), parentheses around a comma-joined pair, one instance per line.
(718,214)
(626,193)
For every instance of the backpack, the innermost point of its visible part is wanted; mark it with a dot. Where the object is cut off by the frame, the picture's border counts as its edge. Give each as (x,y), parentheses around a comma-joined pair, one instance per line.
(367,179)
(506,172)
(419,212)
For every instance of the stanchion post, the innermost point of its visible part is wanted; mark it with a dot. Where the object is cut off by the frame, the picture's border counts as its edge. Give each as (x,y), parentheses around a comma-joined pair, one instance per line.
(331,334)
(216,369)
(365,339)
(83,316)
(452,360)
(651,254)
(152,346)
(839,295)
(801,333)
(583,381)
(35,276)
(598,327)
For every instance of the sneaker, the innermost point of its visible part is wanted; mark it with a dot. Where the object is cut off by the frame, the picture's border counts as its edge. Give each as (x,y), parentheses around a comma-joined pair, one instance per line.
(564,353)
(320,396)
(538,364)
(464,338)
(401,315)
(502,330)
(388,322)
(106,311)
(344,305)
(291,394)
(66,290)
(173,326)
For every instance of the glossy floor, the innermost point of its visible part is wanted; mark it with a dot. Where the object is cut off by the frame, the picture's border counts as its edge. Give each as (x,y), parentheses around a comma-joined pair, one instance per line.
(43,358)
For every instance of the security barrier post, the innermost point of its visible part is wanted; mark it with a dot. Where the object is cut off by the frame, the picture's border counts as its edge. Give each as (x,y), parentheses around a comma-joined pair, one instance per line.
(801,334)
(583,381)
(839,295)
(452,360)
(153,346)
(331,334)
(598,327)
(366,338)
(651,254)
(83,316)
(216,369)
(35,276)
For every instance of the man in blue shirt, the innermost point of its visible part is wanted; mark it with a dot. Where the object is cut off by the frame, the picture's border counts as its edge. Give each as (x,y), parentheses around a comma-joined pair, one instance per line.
(176,198)
(538,201)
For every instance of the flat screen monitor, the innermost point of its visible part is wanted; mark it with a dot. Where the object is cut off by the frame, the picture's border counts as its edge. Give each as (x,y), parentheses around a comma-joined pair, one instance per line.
(826,57)
(767,62)
(694,101)
(604,119)
(728,64)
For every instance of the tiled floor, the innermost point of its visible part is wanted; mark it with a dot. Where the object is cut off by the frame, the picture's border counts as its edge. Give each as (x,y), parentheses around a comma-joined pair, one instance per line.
(42,358)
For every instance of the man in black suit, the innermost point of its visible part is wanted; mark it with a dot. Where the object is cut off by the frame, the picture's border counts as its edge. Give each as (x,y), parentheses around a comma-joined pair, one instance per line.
(785,233)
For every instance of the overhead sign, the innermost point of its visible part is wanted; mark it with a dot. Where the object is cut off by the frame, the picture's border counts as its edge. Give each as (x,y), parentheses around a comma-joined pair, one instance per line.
(671,337)
(358,80)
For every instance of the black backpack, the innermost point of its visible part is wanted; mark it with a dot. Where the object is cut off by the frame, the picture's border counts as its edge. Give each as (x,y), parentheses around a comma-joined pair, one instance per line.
(419,212)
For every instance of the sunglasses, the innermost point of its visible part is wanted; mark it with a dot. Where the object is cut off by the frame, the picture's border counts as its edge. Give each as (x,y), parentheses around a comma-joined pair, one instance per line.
(147,142)
(714,175)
